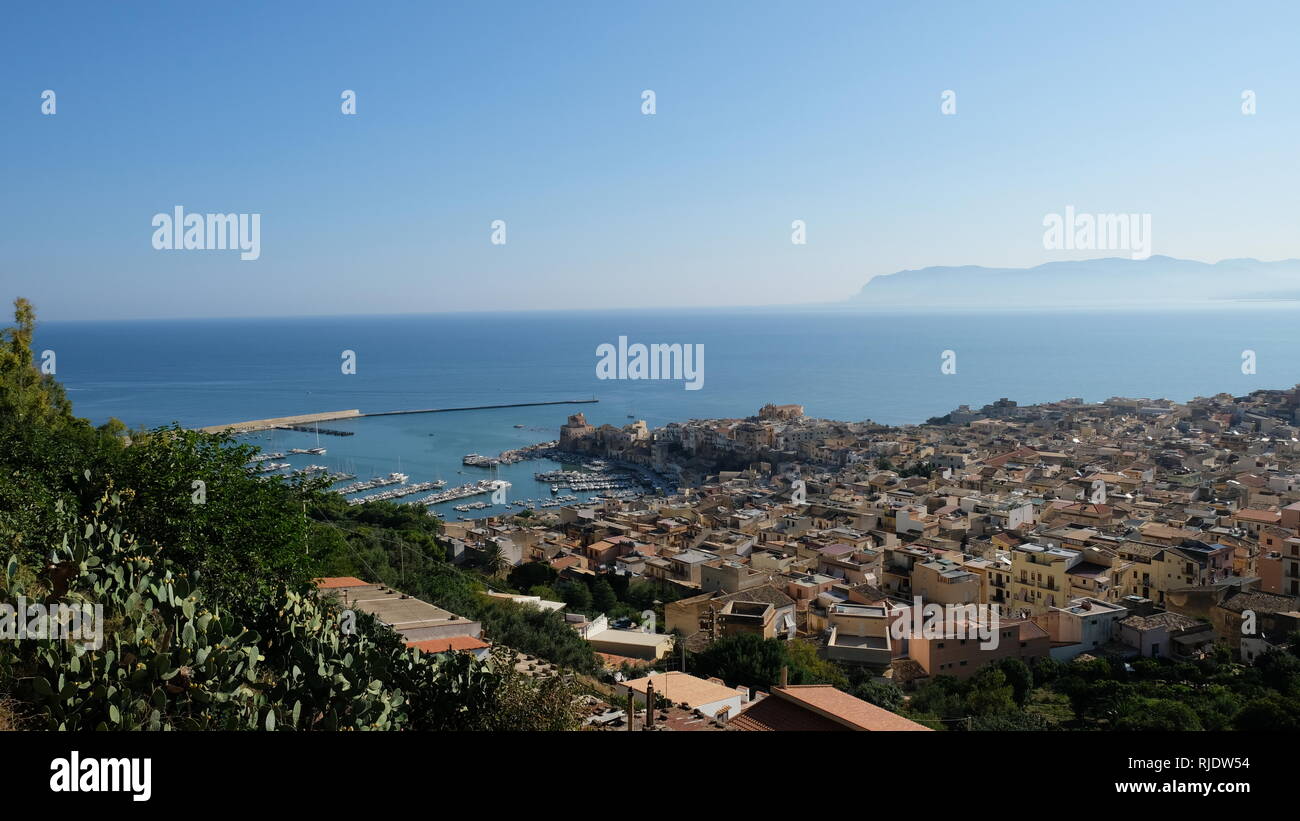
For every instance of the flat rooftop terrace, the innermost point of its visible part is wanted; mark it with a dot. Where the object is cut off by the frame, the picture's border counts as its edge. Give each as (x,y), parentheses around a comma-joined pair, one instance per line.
(396,609)
(400,611)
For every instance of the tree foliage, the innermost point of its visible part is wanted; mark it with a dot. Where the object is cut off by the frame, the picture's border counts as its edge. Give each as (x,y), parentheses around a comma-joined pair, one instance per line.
(204,575)
(750,660)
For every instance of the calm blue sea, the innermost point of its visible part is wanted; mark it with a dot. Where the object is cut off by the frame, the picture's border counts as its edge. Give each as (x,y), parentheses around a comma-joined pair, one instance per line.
(839,365)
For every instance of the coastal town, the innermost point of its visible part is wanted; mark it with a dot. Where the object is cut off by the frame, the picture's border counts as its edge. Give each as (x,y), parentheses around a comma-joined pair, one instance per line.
(1121,530)
(443,470)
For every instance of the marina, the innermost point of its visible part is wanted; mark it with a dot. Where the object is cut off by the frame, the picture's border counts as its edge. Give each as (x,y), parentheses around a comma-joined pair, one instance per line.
(370,484)
(542,450)
(398,492)
(269,467)
(586,480)
(573,475)
(563,478)
(463,492)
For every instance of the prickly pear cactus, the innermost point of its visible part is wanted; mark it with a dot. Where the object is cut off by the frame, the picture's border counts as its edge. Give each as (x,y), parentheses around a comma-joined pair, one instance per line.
(169,661)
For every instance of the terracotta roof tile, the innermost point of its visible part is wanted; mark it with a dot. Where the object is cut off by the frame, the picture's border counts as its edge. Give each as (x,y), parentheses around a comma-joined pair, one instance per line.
(335,582)
(444,645)
(778,715)
(837,705)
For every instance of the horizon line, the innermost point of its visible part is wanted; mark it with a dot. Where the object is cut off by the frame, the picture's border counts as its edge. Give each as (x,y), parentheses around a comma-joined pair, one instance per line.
(848,302)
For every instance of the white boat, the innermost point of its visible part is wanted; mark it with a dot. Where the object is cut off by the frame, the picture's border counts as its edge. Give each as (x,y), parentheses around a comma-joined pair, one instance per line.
(318,450)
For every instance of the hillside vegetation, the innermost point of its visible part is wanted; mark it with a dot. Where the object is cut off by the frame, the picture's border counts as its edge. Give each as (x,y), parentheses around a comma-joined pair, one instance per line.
(205,579)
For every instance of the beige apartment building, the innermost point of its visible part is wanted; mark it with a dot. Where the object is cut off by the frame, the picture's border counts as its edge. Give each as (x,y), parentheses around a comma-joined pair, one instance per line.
(944,581)
(962,658)
(1040,578)
(995,580)
(859,634)
(1156,570)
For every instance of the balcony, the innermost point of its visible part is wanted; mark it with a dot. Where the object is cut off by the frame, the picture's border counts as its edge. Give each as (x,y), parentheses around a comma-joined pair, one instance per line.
(867,650)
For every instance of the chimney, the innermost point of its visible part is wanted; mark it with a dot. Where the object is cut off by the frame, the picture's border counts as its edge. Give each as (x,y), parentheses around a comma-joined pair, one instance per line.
(785,676)
(649,705)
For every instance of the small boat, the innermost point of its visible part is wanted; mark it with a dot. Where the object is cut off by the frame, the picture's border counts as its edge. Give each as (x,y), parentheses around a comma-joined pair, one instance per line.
(519,426)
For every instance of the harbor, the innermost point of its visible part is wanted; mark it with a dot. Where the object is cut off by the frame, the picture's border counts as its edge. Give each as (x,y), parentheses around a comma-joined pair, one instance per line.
(309,422)
(398,492)
(370,484)
(288,422)
(269,467)
(591,401)
(318,430)
(463,492)
(402,459)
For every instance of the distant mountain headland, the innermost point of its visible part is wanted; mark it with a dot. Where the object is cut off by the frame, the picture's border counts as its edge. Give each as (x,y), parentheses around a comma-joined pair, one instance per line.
(1114,281)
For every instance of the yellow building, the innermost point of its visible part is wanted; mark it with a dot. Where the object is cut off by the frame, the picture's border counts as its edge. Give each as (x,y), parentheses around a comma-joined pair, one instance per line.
(1039,578)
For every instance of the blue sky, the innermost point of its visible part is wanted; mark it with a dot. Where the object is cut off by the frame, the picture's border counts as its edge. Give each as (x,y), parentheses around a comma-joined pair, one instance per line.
(531,113)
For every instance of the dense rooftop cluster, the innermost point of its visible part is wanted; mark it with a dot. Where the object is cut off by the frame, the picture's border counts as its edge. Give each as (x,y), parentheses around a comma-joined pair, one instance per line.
(1121,529)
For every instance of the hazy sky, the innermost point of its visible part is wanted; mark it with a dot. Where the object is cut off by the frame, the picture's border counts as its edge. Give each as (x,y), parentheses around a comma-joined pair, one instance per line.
(531,113)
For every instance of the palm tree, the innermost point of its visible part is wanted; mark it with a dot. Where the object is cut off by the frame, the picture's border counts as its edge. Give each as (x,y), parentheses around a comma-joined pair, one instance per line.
(494,561)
